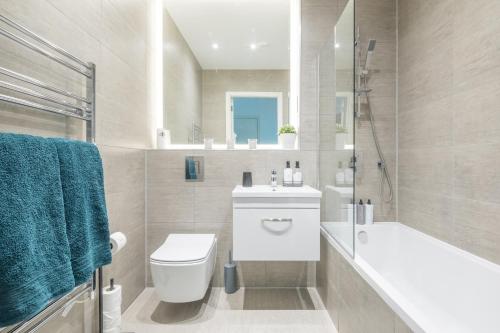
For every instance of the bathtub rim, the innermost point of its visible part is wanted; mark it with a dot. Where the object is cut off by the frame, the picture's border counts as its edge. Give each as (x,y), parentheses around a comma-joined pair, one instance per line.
(412,316)
(370,276)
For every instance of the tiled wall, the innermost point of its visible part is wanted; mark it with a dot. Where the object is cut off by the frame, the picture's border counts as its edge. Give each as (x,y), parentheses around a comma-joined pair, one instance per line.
(352,304)
(377,20)
(177,206)
(449,124)
(112,34)
(217,82)
(182,77)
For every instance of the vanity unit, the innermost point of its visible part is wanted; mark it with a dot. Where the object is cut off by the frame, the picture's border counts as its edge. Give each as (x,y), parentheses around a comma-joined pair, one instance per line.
(276,224)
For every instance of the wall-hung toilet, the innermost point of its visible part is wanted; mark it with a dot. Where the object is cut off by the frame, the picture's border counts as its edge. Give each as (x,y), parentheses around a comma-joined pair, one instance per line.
(183,266)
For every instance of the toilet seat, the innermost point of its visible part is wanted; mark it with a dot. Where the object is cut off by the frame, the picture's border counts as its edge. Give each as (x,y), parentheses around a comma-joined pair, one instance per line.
(184,249)
(183,266)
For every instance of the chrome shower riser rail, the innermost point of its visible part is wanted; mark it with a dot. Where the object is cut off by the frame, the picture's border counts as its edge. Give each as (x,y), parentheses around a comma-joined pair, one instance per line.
(40,50)
(36,94)
(41,84)
(33,105)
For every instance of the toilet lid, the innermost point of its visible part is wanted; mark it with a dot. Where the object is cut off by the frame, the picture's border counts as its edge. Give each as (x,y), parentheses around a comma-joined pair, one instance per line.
(184,247)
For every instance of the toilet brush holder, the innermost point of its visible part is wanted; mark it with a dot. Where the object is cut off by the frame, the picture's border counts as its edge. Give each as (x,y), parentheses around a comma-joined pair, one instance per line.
(230,278)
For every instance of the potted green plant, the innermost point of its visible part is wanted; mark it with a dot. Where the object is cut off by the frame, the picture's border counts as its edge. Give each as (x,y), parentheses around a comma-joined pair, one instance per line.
(287,135)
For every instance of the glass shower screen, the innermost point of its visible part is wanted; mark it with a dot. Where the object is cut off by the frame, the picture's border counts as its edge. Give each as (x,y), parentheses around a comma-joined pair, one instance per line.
(336,101)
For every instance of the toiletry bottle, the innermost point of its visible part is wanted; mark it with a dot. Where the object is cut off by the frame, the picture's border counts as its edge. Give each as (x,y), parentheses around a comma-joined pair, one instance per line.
(288,174)
(360,212)
(274,179)
(297,175)
(369,212)
(340,176)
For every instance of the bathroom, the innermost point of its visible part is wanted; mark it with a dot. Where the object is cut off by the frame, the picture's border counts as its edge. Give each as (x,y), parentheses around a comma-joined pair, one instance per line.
(388,223)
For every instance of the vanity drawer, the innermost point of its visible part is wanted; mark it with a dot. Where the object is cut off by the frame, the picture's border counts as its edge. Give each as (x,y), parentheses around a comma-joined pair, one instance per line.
(276,234)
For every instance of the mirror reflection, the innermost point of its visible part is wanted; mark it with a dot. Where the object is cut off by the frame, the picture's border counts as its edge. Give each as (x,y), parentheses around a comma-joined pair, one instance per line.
(226,70)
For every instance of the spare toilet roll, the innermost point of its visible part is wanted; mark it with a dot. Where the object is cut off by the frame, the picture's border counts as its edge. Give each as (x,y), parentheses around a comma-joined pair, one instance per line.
(111,309)
(118,241)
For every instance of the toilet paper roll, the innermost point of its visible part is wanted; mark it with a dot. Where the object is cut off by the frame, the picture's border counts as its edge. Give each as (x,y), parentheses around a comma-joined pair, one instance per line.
(117,241)
(111,308)
(112,299)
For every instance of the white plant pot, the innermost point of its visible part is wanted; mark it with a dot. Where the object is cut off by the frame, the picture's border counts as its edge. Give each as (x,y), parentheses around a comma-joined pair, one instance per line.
(287,140)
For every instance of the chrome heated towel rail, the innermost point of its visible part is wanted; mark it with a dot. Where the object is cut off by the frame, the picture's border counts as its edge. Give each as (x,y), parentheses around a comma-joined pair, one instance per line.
(34,94)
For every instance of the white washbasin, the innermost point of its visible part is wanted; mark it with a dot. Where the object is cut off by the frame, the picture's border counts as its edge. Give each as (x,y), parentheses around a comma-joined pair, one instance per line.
(266,191)
(269,223)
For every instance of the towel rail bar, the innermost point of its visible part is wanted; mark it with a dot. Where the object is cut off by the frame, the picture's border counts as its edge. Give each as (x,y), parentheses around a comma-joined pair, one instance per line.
(86,111)
(51,310)
(40,50)
(33,105)
(32,93)
(40,84)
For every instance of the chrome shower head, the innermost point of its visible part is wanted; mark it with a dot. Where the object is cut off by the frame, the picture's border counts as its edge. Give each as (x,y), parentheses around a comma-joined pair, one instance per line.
(369,53)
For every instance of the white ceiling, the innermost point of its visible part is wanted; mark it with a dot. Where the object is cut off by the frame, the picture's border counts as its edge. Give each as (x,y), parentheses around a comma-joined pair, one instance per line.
(234,25)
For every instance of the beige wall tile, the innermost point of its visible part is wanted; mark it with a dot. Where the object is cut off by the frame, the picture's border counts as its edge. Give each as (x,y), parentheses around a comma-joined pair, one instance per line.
(124,173)
(170,204)
(448,131)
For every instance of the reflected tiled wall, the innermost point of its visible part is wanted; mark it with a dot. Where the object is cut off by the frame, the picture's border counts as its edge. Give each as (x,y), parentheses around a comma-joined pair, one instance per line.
(217,82)
(352,304)
(449,124)
(112,34)
(182,92)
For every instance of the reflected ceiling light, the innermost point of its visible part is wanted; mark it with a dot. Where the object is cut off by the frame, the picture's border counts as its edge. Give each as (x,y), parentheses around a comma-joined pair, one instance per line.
(215,46)
(253,46)
(337,45)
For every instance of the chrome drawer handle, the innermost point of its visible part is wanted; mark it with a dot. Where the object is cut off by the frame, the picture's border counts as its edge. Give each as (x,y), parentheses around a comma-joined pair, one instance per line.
(284,220)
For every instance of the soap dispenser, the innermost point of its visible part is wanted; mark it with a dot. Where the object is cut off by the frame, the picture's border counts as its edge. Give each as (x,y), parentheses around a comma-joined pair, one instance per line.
(369,212)
(360,212)
(297,175)
(274,179)
(288,174)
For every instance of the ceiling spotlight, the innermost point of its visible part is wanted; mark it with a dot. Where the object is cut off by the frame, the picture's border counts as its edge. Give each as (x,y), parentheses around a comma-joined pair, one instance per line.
(337,45)
(215,46)
(253,46)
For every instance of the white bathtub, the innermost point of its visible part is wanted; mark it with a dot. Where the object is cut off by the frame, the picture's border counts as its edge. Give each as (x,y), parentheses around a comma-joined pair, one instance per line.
(433,286)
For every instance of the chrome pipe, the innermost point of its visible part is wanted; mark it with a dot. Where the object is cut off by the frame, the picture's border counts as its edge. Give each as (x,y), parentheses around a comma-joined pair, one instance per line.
(51,310)
(91,94)
(41,84)
(36,94)
(45,42)
(37,49)
(37,106)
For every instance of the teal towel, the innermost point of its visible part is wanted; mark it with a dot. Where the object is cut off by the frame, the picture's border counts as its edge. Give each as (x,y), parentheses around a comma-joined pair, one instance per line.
(35,264)
(84,206)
